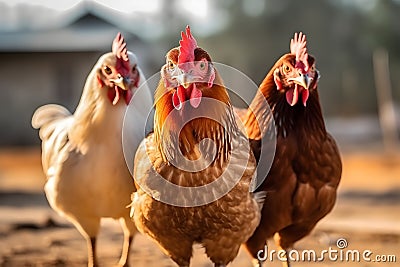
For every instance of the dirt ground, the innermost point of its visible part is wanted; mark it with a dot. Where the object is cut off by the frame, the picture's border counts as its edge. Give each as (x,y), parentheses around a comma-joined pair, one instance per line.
(366,217)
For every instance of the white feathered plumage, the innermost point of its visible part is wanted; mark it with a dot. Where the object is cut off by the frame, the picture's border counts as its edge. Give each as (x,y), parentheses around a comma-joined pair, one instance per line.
(82,153)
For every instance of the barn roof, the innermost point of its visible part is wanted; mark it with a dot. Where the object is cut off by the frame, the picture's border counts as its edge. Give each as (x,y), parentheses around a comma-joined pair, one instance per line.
(85,27)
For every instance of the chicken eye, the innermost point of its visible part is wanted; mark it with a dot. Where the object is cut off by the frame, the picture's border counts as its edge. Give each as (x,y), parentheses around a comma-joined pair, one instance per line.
(286,68)
(107,70)
(202,65)
(134,68)
(171,65)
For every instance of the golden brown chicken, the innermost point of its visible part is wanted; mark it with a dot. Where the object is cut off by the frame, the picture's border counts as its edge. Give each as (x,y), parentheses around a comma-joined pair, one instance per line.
(193,173)
(306,170)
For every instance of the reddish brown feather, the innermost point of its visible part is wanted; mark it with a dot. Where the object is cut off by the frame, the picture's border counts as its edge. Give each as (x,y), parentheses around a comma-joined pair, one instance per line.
(220,226)
(306,170)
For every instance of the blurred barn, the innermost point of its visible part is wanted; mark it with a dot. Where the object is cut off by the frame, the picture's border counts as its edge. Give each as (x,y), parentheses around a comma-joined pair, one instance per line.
(47,53)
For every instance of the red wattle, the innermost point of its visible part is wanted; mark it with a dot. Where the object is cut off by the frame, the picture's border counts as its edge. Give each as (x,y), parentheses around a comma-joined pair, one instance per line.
(181,94)
(178,97)
(113,95)
(117,96)
(304,96)
(292,96)
(128,96)
(195,97)
(136,85)
(175,101)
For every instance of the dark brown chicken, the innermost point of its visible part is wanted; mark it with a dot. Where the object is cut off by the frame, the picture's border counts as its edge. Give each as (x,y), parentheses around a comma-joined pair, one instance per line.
(193,173)
(306,170)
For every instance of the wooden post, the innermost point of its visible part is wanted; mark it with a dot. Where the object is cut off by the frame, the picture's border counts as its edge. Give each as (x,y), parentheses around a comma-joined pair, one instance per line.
(387,115)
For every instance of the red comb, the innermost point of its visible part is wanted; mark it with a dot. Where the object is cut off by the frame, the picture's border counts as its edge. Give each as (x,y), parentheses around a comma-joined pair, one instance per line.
(299,49)
(187,45)
(119,47)
(120,51)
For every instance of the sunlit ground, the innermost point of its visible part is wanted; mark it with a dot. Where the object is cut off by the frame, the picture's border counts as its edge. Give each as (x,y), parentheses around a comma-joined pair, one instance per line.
(366,215)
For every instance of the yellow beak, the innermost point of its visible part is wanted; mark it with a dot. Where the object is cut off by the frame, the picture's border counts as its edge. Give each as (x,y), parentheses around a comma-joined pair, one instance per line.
(303,80)
(121,82)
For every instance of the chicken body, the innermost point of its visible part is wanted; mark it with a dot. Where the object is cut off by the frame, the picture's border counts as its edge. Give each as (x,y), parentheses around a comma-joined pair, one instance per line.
(220,217)
(82,154)
(306,170)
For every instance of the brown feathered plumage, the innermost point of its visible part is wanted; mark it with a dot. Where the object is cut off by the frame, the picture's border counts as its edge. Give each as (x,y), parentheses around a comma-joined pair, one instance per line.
(176,219)
(306,170)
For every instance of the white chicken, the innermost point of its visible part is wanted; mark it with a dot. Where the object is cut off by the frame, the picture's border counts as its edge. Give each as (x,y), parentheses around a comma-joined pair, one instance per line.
(82,153)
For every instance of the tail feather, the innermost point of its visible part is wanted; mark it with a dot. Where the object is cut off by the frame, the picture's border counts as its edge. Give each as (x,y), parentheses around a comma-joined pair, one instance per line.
(45,117)
(260,197)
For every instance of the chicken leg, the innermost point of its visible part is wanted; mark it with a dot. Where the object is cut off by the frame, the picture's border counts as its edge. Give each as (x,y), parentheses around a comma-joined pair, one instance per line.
(91,247)
(277,239)
(257,263)
(129,230)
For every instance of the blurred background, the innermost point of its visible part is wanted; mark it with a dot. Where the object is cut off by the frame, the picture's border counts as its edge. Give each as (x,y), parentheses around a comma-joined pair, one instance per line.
(47,48)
